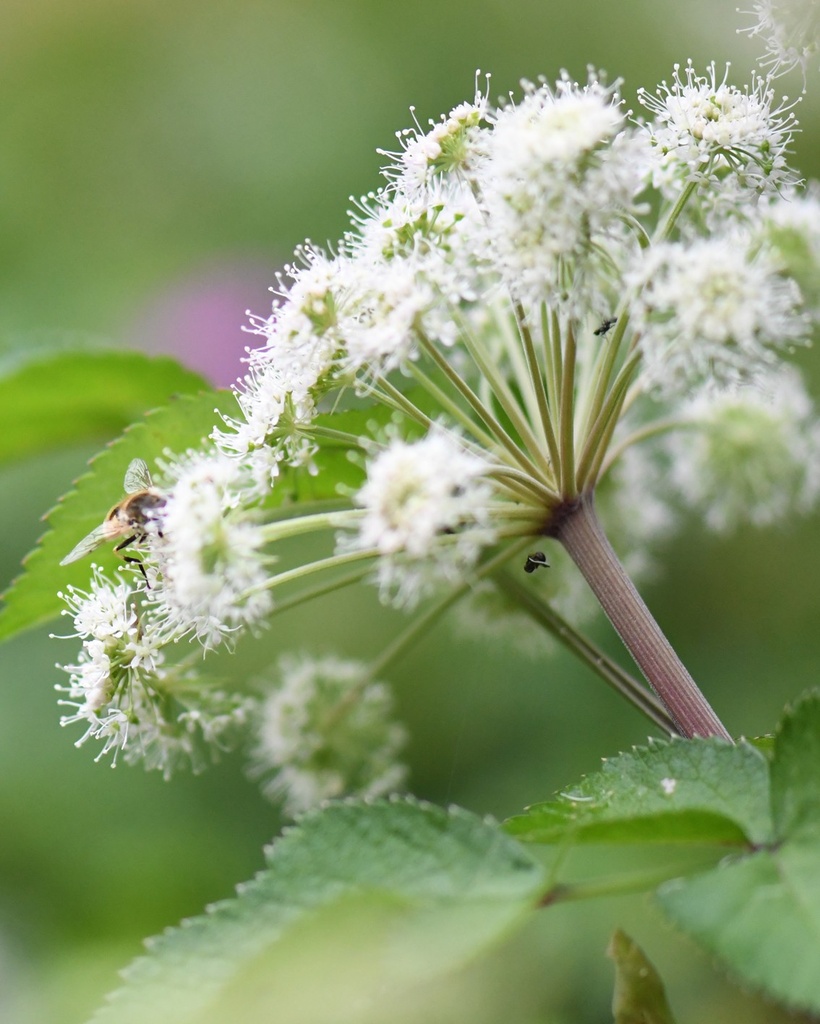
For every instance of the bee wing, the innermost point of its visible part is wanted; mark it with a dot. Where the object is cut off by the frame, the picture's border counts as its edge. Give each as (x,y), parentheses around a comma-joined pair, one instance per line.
(88,544)
(137,477)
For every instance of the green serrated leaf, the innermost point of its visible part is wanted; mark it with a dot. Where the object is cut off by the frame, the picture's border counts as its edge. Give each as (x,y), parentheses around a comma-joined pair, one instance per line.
(59,398)
(18,349)
(695,791)
(358,903)
(765,744)
(33,597)
(795,770)
(639,996)
(761,914)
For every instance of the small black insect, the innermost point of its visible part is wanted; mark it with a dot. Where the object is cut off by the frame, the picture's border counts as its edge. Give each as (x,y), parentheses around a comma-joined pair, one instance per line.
(535,561)
(606,325)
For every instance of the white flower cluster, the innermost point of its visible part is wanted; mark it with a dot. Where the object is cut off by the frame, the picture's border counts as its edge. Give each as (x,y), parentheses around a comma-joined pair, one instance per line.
(208,550)
(790,30)
(705,129)
(427,513)
(717,310)
(443,150)
(324,731)
(543,293)
(128,697)
(556,178)
(752,453)
(266,404)
(792,229)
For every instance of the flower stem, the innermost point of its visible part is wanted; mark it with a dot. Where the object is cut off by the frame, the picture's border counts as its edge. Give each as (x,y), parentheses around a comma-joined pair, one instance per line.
(341,437)
(390,395)
(313,593)
(586,543)
(566,437)
(280,529)
(489,420)
(432,615)
(537,381)
(507,401)
(450,405)
(600,433)
(668,226)
(309,568)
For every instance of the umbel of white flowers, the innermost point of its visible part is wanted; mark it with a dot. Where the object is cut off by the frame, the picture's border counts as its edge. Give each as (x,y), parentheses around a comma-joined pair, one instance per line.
(550,307)
(790,30)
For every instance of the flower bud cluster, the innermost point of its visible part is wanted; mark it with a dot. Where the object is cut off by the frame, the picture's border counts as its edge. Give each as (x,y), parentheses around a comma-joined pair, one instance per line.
(326,730)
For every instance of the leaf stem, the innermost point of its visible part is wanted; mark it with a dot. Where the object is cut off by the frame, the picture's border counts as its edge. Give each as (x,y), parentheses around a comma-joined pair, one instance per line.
(621,885)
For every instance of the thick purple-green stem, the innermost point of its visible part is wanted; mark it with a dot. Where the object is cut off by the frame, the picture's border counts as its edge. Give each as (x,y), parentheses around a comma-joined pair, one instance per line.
(578,529)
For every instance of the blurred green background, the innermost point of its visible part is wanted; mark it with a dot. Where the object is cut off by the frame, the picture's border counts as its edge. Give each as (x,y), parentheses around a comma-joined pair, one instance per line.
(159,162)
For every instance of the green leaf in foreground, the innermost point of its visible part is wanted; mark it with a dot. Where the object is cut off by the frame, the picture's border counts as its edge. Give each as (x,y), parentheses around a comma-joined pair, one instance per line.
(358,905)
(639,996)
(698,791)
(759,911)
(761,914)
(62,397)
(795,771)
